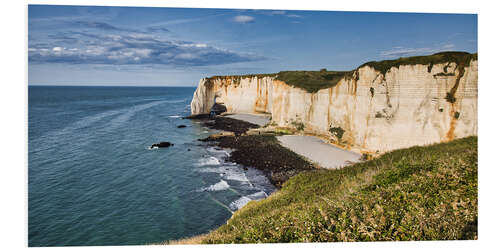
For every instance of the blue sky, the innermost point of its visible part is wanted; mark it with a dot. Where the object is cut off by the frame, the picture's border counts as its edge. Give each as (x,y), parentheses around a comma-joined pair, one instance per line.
(82,45)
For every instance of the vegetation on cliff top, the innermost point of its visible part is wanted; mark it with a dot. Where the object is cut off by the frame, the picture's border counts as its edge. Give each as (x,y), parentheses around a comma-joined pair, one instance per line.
(313,81)
(419,193)
(460,58)
(242,76)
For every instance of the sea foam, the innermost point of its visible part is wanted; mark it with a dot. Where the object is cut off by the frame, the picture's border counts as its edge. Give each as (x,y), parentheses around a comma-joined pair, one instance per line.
(242,201)
(218,151)
(208,161)
(239,203)
(259,195)
(230,172)
(236,176)
(221,185)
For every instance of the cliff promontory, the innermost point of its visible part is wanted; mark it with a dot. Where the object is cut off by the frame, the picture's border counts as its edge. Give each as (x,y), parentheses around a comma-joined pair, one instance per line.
(378,107)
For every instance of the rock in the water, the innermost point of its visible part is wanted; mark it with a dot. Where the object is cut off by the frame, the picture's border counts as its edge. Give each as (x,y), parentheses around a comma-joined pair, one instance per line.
(164,144)
(181,126)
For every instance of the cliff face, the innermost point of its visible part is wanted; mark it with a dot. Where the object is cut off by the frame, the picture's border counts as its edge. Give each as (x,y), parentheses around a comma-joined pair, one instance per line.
(372,111)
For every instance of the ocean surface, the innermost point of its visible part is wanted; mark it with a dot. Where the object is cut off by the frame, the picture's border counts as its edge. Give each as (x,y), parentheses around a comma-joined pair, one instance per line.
(92,179)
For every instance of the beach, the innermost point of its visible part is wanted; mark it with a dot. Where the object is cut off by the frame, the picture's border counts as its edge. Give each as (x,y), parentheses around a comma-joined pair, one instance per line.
(279,156)
(258,119)
(318,151)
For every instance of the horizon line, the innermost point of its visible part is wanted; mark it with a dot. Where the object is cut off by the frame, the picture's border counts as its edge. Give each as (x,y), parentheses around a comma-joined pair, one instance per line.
(78,85)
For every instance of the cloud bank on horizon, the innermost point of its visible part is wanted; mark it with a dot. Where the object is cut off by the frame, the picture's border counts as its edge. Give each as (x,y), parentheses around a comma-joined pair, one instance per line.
(77,47)
(91,42)
(66,43)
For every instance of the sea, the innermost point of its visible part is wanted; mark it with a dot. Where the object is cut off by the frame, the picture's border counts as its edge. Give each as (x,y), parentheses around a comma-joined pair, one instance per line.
(94,181)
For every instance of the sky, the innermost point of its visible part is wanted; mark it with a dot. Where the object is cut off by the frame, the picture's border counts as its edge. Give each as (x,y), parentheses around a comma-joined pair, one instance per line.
(151,46)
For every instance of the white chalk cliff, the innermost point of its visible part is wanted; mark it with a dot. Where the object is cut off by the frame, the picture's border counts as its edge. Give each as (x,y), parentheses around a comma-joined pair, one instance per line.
(406,106)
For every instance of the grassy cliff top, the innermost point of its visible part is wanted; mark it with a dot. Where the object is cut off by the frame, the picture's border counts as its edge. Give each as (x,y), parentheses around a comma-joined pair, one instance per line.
(313,81)
(419,193)
(243,76)
(460,58)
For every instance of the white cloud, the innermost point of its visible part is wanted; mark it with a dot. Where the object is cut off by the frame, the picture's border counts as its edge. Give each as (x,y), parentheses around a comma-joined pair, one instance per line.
(448,46)
(134,49)
(402,51)
(278,12)
(142,52)
(282,13)
(196,45)
(243,19)
(405,51)
(186,56)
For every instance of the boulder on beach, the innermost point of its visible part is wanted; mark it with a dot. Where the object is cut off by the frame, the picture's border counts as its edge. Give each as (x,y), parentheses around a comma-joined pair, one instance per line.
(164,144)
(197,117)
(218,135)
(218,108)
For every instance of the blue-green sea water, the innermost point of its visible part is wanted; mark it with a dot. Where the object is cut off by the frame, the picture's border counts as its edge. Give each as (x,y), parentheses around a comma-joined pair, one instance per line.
(92,179)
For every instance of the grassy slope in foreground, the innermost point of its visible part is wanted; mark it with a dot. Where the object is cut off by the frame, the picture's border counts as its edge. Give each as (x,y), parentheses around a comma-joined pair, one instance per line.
(418,193)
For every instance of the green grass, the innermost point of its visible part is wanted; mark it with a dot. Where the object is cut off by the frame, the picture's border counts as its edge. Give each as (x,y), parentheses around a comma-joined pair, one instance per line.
(460,58)
(298,125)
(239,77)
(235,79)
(419,193)
(337,132)
(313,81)
(283,131)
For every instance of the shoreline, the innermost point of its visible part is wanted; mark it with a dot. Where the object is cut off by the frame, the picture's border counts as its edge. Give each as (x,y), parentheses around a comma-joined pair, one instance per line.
(325,188)
(279,155)
(261,151)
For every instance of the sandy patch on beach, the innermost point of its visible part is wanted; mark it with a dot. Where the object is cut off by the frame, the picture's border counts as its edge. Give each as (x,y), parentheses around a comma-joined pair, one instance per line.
(313,148)
(260,120)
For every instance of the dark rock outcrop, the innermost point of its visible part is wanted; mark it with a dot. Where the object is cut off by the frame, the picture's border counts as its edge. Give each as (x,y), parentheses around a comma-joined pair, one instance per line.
(218,108)
(181,126)
(229,124)
(264,153)
(197,117)
(164,144)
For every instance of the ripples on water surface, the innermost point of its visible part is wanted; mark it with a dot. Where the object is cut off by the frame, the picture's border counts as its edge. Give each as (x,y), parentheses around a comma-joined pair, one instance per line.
(93,181)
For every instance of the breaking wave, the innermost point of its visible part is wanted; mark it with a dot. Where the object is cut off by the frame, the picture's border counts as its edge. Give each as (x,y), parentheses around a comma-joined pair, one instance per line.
(221,185)
(242,201)
(239,203)
(208,161)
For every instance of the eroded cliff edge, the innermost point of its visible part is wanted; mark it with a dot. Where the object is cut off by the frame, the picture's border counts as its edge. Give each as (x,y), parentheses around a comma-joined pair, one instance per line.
(378,107)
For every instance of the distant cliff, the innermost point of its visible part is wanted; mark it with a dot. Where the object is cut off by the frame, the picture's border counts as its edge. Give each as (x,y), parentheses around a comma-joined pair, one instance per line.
(379,106)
